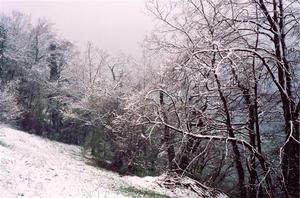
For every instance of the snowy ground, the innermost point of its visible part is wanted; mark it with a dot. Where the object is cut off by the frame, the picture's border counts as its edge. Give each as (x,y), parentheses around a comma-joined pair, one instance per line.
(34,167)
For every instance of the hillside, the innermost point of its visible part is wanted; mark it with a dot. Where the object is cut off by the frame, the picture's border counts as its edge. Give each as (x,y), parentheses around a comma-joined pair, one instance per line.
(35,167)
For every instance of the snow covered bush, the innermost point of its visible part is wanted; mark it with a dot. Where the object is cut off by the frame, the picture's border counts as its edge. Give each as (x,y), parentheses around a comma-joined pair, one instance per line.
(9,108)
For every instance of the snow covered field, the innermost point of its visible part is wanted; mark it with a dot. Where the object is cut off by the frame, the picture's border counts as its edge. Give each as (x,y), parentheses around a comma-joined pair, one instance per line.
(33,167)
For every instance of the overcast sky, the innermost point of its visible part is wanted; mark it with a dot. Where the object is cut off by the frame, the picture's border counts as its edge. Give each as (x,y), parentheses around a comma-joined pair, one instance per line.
(112,25)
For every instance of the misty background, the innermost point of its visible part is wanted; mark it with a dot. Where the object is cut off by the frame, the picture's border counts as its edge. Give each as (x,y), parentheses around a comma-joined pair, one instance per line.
(113,25)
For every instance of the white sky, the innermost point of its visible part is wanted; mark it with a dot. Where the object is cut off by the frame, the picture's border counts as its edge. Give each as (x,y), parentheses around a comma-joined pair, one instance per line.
(113,25)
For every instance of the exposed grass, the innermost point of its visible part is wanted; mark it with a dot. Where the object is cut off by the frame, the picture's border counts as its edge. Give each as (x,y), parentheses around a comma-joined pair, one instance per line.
(3,144)
(135,192)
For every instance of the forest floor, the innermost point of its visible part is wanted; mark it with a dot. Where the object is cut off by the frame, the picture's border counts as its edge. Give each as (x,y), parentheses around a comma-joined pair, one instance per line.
(34,167)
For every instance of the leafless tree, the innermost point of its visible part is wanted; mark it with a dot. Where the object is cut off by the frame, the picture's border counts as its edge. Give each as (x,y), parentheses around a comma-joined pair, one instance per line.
(223,55)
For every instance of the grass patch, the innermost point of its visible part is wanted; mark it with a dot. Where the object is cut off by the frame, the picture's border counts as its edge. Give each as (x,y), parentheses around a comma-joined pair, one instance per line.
(3,144)
(135,192)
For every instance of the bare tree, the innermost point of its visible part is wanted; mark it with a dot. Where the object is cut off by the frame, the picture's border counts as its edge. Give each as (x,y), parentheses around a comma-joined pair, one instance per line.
(226,53)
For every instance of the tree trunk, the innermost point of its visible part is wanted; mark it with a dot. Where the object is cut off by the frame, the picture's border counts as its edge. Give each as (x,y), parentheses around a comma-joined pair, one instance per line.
(167,135)
(184,161)
(236,152)
(290,162)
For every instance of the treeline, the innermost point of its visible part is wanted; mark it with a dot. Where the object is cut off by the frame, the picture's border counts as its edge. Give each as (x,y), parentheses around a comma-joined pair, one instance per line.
(50,88)
(215,98)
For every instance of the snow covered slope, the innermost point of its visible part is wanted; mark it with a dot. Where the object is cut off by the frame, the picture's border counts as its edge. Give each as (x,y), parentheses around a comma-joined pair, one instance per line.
(31,167)
(34,167)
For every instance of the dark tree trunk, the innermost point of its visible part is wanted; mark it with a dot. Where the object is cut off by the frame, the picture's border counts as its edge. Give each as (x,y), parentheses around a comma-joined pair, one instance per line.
(290,162)
(53,63)
(236,152)
(184,161)
(252,165)
(2,49)
(36,49)
(168,140)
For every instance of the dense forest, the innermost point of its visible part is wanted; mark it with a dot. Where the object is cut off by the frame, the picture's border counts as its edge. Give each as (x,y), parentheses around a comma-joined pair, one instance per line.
(216,96)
